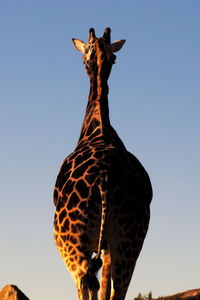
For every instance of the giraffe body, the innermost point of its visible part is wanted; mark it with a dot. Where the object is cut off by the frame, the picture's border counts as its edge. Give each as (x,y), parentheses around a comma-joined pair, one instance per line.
(102,193)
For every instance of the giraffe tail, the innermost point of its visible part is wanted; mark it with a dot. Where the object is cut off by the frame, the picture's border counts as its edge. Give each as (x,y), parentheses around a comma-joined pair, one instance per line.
(94,265)
(96,262)
(90,280)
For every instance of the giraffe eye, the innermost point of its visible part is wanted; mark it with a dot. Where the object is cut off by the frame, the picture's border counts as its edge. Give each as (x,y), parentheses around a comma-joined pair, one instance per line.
(86,50)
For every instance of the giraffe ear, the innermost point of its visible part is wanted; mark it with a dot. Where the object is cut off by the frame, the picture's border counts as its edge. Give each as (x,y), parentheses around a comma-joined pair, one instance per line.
(80,46)
(117,45)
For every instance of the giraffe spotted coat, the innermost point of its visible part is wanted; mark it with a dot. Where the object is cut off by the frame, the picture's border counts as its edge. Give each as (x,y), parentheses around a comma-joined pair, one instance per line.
(102,193)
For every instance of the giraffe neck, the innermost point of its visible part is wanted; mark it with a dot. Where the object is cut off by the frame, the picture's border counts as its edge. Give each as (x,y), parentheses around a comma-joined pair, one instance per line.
(96,122)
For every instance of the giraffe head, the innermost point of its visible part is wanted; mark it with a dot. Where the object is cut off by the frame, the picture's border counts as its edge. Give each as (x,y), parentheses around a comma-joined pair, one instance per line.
(98,52)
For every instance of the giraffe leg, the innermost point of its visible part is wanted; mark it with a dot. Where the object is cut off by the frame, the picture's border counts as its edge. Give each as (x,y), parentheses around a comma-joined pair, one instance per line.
(124,255)
(106,276)
(89,287)
(86,281)
(120,277)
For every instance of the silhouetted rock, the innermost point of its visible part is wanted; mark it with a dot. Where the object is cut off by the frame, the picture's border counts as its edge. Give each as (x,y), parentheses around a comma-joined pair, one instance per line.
(11,292)
(187,295)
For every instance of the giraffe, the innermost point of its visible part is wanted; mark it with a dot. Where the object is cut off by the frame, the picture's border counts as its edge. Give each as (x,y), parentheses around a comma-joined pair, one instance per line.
(102,193)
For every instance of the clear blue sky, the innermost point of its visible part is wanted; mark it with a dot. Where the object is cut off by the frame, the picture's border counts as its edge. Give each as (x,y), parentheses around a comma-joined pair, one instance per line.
(154,105)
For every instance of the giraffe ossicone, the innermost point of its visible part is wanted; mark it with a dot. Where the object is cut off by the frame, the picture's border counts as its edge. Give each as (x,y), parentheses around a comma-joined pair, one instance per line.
(111,47)
(102,192)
